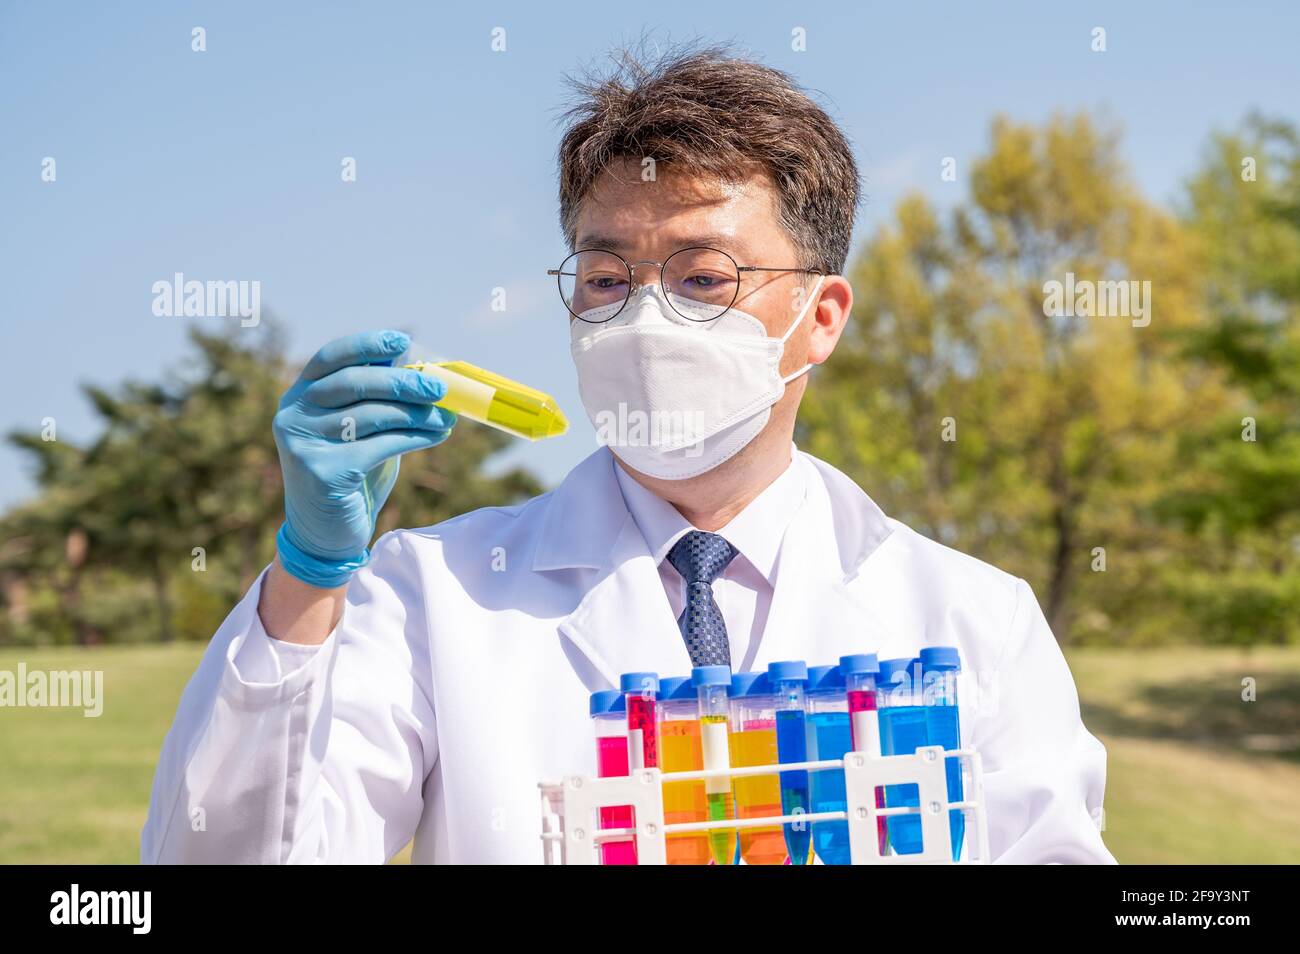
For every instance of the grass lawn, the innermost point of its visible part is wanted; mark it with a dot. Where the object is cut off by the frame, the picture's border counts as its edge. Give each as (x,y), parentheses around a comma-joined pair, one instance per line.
(74,789)
(1195,773)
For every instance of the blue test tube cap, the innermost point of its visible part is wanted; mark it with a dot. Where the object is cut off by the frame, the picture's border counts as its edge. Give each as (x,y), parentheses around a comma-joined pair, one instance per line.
(750,684)
(894,671)
(860,664)
(825,679)
(639,682)
(702,676)
(606,702)
(792,670)
(940,659)
(676,687)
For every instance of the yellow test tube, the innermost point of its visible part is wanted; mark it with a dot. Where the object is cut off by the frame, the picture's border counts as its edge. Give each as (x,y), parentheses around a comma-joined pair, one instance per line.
(496,401)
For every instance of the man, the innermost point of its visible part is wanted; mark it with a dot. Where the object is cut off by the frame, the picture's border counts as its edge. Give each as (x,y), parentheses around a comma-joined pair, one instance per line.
(356,699)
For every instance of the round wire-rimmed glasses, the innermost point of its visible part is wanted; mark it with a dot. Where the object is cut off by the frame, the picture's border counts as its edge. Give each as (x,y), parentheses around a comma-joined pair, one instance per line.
(706,278)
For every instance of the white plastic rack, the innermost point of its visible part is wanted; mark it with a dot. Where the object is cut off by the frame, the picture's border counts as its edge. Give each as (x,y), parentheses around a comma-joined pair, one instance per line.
(571,832)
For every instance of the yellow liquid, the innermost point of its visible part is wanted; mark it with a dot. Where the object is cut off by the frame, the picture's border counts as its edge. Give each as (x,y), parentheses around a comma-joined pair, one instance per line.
(680,751)
(496,401)
(758,796)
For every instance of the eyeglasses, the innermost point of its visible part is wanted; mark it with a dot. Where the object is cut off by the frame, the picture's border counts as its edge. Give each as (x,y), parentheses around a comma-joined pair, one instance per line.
(706,277)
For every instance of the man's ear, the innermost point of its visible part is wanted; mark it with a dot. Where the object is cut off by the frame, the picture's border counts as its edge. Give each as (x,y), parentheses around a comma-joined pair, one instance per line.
(829,316)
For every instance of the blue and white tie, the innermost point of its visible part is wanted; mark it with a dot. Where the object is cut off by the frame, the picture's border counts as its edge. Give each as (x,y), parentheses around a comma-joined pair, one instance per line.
(701,558)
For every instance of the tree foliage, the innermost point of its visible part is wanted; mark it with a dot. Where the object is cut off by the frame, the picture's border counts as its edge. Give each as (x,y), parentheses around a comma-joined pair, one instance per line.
(1086,453)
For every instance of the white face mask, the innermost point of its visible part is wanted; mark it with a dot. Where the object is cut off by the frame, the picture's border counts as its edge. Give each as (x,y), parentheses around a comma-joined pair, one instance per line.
(675,398)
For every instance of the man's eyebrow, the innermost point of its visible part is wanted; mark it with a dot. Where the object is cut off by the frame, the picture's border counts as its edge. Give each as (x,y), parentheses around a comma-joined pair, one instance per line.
(725,243)
(601,241)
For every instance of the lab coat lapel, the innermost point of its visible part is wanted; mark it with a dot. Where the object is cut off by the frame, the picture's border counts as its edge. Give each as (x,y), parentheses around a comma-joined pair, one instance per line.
(623,623)
(814,614)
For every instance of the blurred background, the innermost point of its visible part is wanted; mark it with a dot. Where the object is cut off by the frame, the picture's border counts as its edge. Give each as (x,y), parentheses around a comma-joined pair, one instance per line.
(1142,477)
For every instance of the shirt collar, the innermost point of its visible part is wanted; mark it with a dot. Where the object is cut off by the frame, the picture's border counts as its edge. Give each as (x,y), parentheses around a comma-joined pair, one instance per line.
(659,521)
(756,532)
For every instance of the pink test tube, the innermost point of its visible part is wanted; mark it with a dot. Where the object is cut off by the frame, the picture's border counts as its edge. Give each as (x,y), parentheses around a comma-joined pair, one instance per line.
(641,694)
(607,714)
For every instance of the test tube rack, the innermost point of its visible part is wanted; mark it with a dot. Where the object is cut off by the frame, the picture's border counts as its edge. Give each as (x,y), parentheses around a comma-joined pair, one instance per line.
(571,832)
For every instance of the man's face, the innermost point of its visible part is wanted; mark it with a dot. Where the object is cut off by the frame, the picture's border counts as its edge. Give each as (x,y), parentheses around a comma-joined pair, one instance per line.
(649,221)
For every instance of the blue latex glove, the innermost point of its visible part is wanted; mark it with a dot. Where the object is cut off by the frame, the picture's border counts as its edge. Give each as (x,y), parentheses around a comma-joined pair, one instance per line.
(340,431)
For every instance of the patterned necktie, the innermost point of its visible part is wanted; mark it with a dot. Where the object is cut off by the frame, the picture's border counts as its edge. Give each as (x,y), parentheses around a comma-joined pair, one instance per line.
(700,558)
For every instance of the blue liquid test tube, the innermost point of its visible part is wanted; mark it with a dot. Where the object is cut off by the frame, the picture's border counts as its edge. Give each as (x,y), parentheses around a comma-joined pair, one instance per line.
(939,668)
(903,729)
(829,737)
(788,680)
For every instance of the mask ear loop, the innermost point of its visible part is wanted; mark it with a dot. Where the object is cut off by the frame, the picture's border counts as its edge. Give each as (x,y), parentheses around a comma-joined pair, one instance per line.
(812,297)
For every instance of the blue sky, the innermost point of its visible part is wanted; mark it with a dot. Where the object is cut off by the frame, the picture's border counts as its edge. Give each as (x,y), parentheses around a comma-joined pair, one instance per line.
(225,164)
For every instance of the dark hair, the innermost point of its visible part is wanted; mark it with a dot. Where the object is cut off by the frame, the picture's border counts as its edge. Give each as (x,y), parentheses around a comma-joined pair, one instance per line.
(709,113)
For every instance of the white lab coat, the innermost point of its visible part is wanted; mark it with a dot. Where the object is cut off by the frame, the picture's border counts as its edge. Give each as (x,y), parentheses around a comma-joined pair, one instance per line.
(459,674)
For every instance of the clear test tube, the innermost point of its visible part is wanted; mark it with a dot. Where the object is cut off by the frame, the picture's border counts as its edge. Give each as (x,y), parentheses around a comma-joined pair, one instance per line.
(641,693)
(753,742)
(609,718)
(860,672)
(713,685)
(789,679)
(679,751)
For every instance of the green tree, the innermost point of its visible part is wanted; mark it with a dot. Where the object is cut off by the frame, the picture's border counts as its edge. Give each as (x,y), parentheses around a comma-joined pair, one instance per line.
(983,417)
(1238,492)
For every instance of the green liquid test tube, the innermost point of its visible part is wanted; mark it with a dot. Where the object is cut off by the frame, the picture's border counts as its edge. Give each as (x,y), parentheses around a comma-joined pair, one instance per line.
(496,401)
(712,684)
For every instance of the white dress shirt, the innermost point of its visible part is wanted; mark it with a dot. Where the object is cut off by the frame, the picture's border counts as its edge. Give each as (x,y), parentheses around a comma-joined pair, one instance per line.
(744,590)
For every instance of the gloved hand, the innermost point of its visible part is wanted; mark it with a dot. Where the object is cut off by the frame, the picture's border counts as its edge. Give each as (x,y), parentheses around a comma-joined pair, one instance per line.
(340,431)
